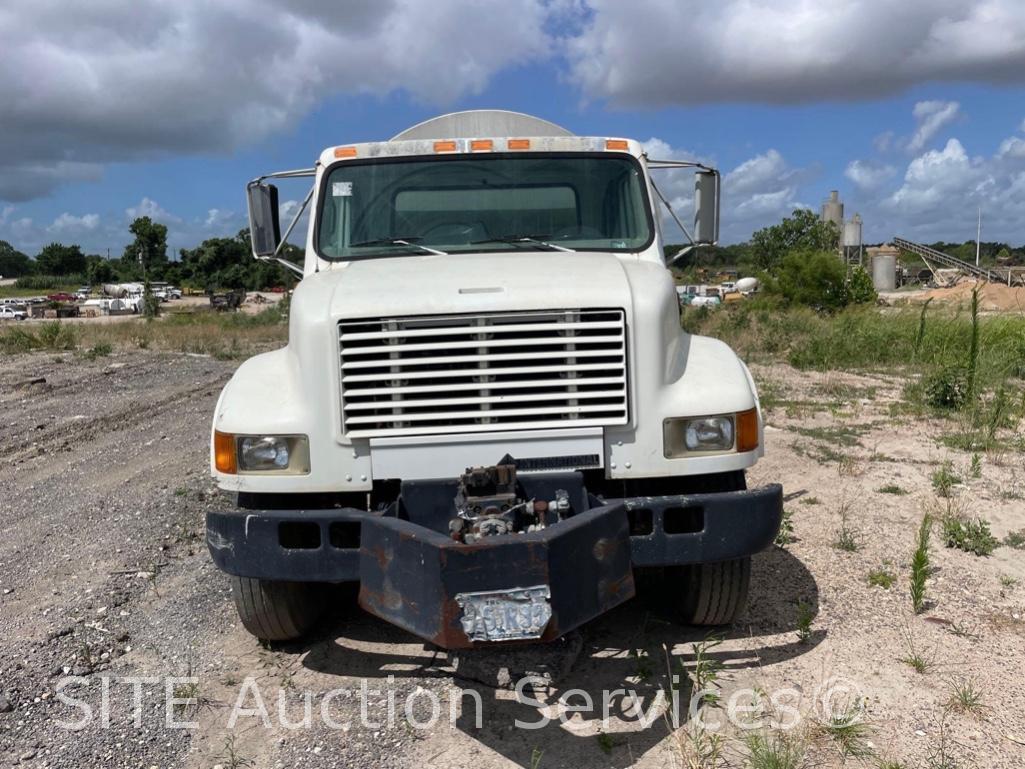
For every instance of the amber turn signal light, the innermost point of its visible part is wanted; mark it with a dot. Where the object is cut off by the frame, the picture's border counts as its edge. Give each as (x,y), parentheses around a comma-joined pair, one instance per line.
(747,430)
(225,456)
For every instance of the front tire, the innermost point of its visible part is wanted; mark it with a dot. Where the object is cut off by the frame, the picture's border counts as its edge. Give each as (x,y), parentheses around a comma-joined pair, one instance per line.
(277,611)
(710,593)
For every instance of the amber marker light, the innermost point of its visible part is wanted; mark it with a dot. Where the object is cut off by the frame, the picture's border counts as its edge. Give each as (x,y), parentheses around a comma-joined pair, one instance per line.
(447,146)
(747,430)
(225,456)
(518,144)
(616,144)
(345,152)
(482,145)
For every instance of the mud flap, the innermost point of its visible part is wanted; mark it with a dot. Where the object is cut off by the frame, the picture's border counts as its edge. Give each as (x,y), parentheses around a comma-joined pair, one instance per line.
(519,587)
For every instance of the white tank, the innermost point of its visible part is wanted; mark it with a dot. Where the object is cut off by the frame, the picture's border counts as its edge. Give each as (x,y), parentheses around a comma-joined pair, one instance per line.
(481,122)
(852,232)
(884,272)
(747,285)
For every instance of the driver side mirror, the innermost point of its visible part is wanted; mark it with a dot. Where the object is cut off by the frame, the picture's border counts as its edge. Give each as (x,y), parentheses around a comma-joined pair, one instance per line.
(264,225)
(706,208)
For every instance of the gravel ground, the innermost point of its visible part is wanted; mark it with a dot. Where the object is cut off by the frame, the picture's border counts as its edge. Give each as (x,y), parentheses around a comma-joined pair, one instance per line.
(104,573)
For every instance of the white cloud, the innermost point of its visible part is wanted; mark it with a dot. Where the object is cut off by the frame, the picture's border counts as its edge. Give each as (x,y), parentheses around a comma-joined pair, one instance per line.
(931,117)
(759,191)
(868,175)
(657,52)
(127,80)
(1012,148)
(122,80)
(942,191)
(152,209)
(932,177)
(68,223)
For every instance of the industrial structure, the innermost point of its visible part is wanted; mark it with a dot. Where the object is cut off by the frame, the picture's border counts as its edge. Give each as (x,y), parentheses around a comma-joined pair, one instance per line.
(883,262)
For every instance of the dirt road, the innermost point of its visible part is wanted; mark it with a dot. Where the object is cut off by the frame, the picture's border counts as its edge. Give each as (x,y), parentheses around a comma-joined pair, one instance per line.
(104,573)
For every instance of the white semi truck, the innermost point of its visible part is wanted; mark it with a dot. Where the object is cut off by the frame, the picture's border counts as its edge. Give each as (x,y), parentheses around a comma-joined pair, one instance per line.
(487,413)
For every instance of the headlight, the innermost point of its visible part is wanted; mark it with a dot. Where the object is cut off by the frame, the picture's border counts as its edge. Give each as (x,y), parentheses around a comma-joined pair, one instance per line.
(712,434)
(708,434)
(269,453)
(286,454)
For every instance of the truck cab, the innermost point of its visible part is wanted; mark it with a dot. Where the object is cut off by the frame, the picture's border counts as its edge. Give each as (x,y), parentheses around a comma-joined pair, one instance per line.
(487,413)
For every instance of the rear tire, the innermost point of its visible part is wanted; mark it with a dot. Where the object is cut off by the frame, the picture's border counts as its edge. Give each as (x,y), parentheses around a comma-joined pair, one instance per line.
(710,593)
(277,611)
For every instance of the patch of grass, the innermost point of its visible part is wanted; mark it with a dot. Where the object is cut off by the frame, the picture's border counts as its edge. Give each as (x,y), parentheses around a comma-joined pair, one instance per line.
(230,758)
(98,350)
(892,488)
(809,501)
(883,578)
(863,338)
(943,480)
(704,671)
(913,658)
(849,466)
(785,535)
(1016,539)
(969,534)
(847,537)
(774,750)
(52,335)
(606,742)
(535,758)
(1008,582)
(642,665)
(849,732)
(805,615)
(965,697)
(841,435)
(975,468)
(920,564)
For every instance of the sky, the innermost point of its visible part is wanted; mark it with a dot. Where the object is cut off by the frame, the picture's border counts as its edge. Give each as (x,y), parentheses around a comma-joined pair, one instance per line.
(111,109)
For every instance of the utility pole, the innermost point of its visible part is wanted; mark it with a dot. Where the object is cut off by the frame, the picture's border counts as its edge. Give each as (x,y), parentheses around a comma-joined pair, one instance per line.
(978,239)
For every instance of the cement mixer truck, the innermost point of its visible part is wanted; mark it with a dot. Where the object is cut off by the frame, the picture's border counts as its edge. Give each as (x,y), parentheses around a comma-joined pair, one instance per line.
(487,415)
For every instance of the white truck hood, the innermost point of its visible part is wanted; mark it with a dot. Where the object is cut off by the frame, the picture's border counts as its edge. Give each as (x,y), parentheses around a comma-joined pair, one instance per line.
(461,283)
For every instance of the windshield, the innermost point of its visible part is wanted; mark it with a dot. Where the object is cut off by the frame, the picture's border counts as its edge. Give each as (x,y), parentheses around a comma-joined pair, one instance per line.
(484,203)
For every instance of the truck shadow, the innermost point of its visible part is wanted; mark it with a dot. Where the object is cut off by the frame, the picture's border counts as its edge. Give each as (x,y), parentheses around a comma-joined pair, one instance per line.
(627,660)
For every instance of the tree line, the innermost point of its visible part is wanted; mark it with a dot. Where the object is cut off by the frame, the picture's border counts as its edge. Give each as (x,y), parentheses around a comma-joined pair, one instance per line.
(217,263)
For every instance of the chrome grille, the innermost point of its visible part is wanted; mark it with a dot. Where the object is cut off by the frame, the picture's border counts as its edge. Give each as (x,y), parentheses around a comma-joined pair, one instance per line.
(474,373)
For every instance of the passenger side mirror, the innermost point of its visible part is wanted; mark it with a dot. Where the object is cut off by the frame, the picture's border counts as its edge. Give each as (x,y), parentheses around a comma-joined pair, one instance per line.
(264,226)
(706,208)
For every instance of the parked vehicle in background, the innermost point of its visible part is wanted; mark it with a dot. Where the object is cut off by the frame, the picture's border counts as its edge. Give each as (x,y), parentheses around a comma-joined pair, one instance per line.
(487,413)
(83,293)
(9,313)
(61,296)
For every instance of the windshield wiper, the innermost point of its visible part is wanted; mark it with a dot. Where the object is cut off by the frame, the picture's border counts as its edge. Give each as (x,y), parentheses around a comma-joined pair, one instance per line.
(530,240)
(410,242)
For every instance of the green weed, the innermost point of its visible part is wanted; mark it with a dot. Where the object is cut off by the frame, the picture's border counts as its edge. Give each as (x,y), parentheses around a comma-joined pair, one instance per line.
(881,578)
(971,535)
(920,564)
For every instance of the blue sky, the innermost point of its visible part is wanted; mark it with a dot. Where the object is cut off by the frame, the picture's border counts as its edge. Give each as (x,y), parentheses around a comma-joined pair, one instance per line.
(172,117)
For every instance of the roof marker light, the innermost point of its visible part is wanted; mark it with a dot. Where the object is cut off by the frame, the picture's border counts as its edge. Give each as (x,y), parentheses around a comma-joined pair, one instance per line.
(519,144)
(617,144)
(482,145)
(447,146)
(345,152)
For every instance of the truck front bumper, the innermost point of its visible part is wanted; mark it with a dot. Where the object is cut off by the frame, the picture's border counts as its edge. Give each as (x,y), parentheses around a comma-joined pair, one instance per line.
(556,579)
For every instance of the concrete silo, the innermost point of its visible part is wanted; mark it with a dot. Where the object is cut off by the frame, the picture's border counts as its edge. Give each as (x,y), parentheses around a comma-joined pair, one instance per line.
(832,210)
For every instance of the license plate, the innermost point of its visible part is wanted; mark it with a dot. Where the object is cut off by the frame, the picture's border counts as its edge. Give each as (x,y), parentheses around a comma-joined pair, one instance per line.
(518,614)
